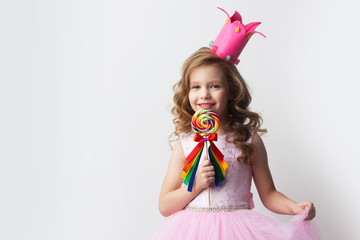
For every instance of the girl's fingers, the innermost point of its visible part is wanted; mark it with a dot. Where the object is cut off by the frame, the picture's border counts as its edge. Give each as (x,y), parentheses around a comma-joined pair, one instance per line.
(311,207)
(312,213)
(206,166)
(206,173)
(209,174)
(206,163)
(211,179)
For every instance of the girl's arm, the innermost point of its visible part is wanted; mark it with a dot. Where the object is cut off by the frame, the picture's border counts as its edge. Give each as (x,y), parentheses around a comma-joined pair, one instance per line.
(173,196)
(272,199)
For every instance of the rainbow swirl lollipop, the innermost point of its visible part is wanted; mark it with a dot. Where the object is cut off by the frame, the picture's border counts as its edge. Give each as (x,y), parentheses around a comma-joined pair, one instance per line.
(205,122)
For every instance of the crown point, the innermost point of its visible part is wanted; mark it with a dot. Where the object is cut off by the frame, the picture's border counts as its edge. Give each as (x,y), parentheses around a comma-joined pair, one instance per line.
(237,29)
(211,43)
(226,21)
(214,49)
(228,57)
(237,61)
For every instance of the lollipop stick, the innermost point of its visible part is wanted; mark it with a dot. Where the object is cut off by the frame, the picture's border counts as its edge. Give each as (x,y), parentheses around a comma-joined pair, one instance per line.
(209,196)
(207,158)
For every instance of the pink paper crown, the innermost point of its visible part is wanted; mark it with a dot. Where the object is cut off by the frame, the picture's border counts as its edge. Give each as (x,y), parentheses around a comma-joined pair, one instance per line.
(233,37)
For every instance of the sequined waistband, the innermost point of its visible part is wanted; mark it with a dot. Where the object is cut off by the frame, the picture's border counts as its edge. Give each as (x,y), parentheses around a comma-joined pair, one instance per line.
(217,209)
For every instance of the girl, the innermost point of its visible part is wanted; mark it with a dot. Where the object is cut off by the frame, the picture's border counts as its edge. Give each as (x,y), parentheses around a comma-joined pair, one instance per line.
(224,212)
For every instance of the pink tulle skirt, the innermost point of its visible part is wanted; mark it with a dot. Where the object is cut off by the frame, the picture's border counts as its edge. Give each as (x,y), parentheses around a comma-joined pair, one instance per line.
(242,224)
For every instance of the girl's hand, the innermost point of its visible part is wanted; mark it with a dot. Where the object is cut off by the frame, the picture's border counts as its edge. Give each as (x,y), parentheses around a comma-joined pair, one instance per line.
(205,174)
(300,207)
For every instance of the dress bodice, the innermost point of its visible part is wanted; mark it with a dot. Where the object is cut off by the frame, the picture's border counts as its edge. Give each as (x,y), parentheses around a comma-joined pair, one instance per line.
(234,191)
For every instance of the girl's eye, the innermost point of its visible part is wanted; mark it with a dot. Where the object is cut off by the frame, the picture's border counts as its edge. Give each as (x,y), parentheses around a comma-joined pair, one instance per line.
(215,86)
(195,86)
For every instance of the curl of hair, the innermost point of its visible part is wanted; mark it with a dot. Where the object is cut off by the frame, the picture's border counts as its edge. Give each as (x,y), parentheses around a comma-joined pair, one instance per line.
(243,123)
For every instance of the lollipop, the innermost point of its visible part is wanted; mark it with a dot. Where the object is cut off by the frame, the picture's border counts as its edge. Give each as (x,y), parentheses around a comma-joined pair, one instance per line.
(204,123)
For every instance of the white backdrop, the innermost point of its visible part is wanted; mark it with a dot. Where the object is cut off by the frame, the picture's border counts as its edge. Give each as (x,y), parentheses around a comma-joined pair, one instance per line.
(85,93)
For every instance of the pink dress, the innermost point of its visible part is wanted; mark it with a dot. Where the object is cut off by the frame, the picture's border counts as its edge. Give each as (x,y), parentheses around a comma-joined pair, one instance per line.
(229,215)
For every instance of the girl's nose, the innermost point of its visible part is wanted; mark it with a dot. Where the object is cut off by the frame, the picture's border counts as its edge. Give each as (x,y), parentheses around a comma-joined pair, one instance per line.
(205,94)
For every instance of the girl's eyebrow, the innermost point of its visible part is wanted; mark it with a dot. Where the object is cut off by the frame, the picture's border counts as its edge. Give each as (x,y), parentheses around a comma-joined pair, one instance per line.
(216,81)
(210,81)
(193,82)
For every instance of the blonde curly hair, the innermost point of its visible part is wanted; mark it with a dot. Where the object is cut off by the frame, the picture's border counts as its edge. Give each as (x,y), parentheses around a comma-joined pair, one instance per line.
(242,122)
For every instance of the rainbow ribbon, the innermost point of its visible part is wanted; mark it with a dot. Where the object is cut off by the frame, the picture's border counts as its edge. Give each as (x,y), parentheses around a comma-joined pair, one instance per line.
(193,159)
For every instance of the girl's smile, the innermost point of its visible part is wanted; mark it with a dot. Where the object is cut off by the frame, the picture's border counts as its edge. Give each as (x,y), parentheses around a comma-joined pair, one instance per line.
(209,89)
(206,105)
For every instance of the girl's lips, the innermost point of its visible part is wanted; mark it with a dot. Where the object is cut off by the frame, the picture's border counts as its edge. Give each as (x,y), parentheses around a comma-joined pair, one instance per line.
(206,105)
